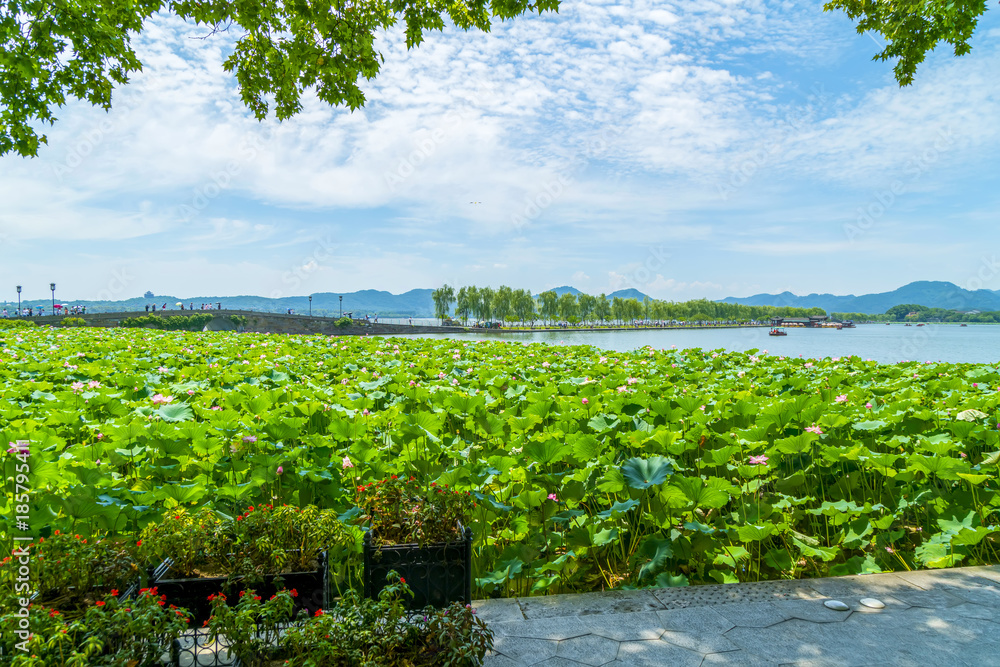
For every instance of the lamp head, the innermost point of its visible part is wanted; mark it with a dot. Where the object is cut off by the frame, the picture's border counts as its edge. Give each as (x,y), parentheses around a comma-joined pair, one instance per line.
(18,289)
(52,286)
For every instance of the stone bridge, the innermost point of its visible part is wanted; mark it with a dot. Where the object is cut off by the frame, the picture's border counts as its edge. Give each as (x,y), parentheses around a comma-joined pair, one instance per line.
(260,322)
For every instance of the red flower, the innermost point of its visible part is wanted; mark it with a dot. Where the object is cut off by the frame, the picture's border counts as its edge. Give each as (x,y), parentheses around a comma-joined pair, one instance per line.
(114,591)
(100,603)
(139,543)
(295,593)
(319,612)
(402,580)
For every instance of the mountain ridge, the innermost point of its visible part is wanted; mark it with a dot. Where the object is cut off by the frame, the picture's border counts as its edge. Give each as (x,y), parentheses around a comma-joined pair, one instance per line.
(930,293)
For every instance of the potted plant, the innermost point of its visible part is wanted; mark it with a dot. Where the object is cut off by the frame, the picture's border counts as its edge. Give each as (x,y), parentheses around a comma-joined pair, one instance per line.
(261,632)
(419,533)
(74,571)
(110,632)
(195,555)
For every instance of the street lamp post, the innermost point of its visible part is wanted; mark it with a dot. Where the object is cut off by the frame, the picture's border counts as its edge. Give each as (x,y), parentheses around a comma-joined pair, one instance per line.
(310,305)
(52,286)
(341,304)
(19,301)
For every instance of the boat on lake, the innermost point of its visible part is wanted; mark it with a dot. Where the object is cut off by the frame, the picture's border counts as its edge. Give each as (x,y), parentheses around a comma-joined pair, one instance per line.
(777,332)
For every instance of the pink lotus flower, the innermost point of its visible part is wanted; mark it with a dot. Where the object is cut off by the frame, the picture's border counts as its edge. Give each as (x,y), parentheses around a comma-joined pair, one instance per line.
(868,406)
(93,384)
(280,470)
(249,439)
(440,376)
(552,496)
(963,455)
(190,392)
(365,412)
(346,463)
(584,401)
(841,399)
(77,386)
(814,429)
(808,364)
(100,436)
(159,399)
(344,381)
(758,460)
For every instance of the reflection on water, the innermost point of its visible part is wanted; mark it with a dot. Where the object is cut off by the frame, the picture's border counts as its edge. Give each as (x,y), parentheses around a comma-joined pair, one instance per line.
(886,344)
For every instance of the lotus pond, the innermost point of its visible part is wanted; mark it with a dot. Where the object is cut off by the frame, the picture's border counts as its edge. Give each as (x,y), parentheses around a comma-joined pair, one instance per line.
(590,469)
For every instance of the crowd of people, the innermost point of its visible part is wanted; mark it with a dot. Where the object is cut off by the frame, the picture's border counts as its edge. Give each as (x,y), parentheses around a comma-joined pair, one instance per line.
(39,311)
(205,306)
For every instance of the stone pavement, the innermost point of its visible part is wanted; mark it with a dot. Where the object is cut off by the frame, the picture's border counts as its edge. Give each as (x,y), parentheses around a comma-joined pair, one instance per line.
(942,618)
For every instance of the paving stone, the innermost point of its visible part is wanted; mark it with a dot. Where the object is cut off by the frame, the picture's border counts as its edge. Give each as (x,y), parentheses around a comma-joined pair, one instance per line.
(555,629)
(655,653)
(588,650)
(702,643)
(753,614)
(812,610)
(873,585)
(625,627)
(991,572)
(696,620)
(736,659)
(889,604)
(977,611)
(559,662)
(934,599)
(610,602)
(525,650)
(498,610)
(983,595)
(500,660)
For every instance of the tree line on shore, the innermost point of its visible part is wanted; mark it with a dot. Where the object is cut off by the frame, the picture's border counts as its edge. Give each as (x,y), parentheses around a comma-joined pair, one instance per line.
(505,304)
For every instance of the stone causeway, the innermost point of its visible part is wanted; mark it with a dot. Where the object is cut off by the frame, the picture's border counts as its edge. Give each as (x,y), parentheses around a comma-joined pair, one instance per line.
(939,618)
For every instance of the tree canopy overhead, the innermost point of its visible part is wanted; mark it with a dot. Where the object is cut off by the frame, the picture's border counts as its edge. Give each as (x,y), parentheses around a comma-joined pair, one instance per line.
(912,28)
(51,50)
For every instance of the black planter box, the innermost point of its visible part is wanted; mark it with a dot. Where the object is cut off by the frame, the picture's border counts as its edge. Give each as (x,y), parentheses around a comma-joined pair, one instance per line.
(313,589)
(438,574)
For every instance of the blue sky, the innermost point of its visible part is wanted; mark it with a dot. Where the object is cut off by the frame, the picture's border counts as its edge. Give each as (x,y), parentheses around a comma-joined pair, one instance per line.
(686,149)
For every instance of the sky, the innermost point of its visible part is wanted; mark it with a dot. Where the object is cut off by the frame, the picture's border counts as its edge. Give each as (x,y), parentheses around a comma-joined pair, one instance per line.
(686,149)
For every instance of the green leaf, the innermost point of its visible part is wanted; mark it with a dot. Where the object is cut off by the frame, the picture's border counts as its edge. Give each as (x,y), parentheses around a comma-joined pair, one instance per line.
(644,473)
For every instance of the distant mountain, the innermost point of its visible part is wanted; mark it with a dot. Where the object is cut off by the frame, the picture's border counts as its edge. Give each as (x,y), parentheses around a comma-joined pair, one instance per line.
(630,293)
(563,290)
(933,294)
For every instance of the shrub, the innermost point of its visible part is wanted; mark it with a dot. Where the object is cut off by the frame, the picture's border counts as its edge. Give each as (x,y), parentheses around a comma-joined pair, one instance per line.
(134,633)
(263,540)
(75,570)
(239,320)
(172,323)
(401,511)
(73,322)
(381,633)
(15,324)
(344,322)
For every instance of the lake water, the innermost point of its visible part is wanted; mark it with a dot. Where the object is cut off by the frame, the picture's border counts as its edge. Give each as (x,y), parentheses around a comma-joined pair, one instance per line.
(885,344)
